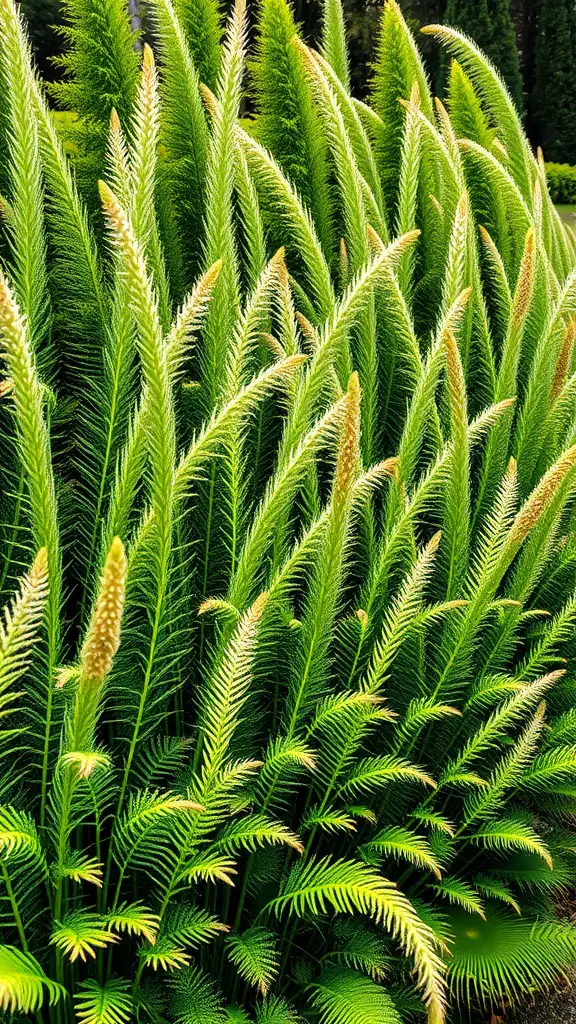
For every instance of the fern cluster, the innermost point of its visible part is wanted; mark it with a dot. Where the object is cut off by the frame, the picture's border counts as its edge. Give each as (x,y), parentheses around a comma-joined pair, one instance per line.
(287,666)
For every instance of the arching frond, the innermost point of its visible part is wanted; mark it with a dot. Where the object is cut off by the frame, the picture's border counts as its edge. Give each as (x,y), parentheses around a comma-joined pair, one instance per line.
(23,983)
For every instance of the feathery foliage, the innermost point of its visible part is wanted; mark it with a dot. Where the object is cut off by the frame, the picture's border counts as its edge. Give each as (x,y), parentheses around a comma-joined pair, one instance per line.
(287,707)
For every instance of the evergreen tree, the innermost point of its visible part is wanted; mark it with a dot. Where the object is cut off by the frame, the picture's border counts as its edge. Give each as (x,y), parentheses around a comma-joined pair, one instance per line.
(472,17)
(503,48)
(99,71)
(554,98)
(489,23)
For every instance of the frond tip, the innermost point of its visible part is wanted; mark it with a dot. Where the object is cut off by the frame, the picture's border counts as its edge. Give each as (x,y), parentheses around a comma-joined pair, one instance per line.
(19,630)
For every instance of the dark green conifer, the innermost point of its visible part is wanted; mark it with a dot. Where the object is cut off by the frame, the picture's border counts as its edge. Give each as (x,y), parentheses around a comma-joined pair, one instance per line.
(100,69)
(471,17)
(554,99)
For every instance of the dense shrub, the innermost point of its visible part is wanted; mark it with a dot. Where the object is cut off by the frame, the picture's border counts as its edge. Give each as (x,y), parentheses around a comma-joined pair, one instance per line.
(287,681)
(561,180)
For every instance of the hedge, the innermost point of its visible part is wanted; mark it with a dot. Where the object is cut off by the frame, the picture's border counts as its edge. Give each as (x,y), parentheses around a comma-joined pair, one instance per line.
(561,182)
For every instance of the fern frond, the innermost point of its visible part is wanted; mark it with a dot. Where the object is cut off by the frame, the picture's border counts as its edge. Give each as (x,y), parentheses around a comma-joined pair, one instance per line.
(334,46)
(255,956)
(104,1004)
(348,885)
(19,631)
(22,982)
(345,997)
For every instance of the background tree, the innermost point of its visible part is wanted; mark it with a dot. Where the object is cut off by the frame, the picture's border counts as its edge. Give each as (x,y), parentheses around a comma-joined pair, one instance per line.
(554,98)
(504,47)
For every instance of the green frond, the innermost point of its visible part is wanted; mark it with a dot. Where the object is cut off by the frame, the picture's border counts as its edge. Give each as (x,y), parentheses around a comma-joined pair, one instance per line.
(99,67)
(201,23)
(227,691)
(35,456)
(288,123)
(193,999)
(397,67)
(355,239)
(466,114)
(211,867)
(138,828)
(26,225)
(334,46)
(461,894)
(511,833)
(18,634)
(298,232)
(110,1003)
(143,157)
(345,997)
(23,982)
(220,241)
(254,830)
(81,868)
(134,919)
(81,933)
(289,420)
(255,956)
(183,128)
(373,773)
(348,885)
(505,956)
(551,769)
(276,1011)
(164,955)
(190,926)
(360,947)
(493,889)
(329,820)
(508,772)
(494,95)
(401,844)
(406,213)
(18,837)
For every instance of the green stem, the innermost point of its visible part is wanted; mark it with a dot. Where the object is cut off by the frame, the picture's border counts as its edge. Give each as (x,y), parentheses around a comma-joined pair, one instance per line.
(52,662)
(198,752)
(139,718)
(15,908)
(102,487)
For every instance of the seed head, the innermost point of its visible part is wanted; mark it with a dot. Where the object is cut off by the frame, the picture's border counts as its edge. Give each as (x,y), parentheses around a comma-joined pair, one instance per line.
(148,64)
(561,370)
(348,454)
(11,322)
(115,125)
(103,636)
(210,101)
(454,373)
(542,495)
(525,284)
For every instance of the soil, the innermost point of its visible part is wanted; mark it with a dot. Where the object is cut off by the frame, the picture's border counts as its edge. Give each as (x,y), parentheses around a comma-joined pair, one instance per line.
(559,1008)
